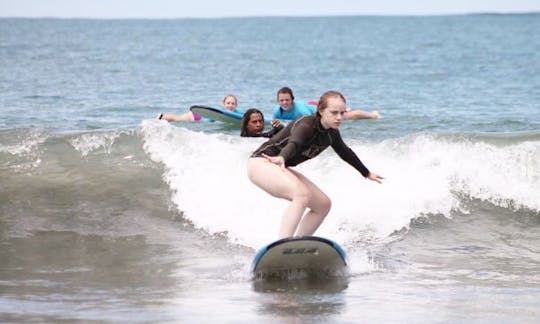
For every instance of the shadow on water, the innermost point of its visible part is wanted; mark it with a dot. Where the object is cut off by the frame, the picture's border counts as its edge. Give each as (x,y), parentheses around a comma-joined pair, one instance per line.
(303,284)
(309,296)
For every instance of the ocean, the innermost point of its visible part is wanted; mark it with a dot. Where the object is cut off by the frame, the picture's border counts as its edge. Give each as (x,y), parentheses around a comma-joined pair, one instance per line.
(110,215)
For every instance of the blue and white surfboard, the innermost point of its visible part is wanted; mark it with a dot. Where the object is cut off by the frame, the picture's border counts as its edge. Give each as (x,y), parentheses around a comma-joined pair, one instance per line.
(220,114)
(308,254)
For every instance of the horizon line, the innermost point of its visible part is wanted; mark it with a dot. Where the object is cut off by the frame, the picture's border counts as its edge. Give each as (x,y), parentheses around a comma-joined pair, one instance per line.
(479,13)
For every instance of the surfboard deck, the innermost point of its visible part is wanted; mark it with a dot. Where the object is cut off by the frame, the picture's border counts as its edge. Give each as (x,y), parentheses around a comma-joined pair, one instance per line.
(219,114)
(300,256)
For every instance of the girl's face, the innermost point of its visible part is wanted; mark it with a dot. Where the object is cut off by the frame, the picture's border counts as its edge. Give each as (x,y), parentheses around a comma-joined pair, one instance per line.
(332,115)
(229,103)
(285,101)
(255,124)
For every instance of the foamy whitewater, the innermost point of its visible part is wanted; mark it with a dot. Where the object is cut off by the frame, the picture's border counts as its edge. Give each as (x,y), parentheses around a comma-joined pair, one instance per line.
(110,215)
(425,174)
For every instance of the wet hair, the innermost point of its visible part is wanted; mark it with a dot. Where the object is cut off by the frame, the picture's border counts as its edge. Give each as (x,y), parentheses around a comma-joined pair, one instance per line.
(323,101)
(245,120)
(231,96)
(285,90)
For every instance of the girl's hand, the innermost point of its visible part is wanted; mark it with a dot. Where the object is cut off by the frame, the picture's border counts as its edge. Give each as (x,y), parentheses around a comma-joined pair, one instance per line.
(275,123)
(375,177)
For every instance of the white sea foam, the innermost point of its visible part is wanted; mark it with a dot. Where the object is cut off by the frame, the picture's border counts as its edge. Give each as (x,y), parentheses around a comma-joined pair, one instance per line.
(25,142)
(89,142)
(207,173)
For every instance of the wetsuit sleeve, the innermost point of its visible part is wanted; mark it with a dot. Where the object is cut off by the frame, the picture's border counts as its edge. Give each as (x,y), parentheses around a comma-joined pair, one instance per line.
(347,154)
(300,135)
(272,132)
(278,128)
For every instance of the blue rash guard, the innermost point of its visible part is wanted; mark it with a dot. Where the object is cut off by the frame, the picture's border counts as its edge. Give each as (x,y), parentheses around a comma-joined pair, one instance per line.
(236,111)
(298,109)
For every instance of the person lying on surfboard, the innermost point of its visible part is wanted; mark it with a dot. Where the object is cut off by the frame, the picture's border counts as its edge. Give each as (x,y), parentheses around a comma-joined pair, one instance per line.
(270,167)
(230,102)
(290,109)
(253,124)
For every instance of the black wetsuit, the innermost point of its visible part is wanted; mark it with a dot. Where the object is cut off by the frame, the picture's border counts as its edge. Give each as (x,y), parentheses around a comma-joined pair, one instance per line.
(305,138)
(267,134)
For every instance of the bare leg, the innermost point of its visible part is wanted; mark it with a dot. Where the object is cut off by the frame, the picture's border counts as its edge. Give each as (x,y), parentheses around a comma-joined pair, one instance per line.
(361,114)
(174,118)
(319,205)
(293,186)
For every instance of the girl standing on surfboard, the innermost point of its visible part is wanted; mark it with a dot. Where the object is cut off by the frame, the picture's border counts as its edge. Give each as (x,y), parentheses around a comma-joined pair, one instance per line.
(229,103)
(269,167)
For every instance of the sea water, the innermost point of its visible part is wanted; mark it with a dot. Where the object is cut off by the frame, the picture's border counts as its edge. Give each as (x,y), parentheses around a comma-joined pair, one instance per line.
(109,215)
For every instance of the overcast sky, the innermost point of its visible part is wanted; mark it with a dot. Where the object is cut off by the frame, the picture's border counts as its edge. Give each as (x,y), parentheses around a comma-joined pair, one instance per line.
(241,8)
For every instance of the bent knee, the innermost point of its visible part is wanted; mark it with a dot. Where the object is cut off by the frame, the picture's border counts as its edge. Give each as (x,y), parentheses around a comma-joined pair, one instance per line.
(318,203)
(325,204)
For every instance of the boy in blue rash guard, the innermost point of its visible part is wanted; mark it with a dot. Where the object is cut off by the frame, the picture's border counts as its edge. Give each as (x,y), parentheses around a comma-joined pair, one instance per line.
(289,109)
(271,166)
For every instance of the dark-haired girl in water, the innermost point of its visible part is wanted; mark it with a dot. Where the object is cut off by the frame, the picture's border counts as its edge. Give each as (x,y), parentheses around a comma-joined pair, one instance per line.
(270,166)
(253,124)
